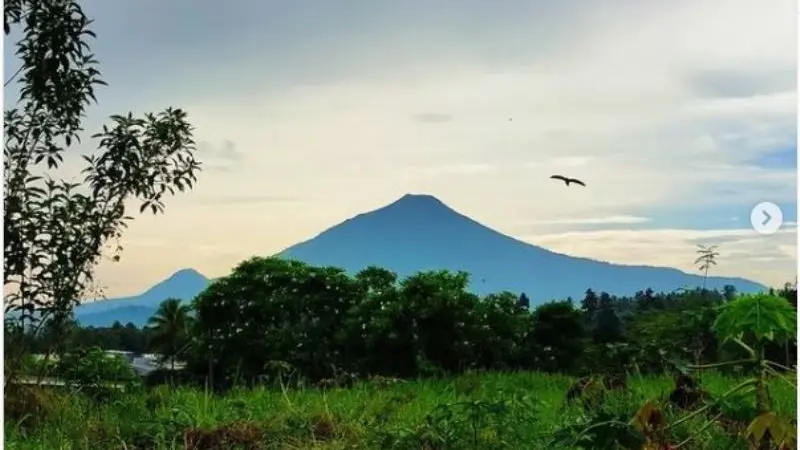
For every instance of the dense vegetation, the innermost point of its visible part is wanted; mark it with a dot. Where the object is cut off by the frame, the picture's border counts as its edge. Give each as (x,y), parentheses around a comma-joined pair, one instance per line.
(309,357)
(325,323)
(274,324)
(523,410)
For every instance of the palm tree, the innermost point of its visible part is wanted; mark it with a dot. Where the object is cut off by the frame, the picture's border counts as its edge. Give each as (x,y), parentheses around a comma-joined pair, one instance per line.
(170,324)
(707,257)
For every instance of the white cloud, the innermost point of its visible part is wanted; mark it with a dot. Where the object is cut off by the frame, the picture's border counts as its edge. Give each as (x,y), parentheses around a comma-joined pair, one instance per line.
(609,220)
(769,259)
(454,169)
(616,112)
(653,104)
(571,161)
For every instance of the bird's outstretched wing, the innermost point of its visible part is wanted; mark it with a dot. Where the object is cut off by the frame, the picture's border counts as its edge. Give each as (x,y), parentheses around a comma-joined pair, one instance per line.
(567,181)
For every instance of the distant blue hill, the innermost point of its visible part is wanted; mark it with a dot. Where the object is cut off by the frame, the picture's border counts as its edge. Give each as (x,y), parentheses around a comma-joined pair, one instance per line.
(419,232)
(184,284)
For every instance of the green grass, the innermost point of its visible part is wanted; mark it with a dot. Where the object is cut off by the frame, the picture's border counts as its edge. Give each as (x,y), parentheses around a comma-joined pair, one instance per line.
(480,411)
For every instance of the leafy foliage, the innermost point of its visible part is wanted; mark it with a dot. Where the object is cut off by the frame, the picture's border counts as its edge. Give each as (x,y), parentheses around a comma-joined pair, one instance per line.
(56,229)
(170,325)
(473,411)
(292,324)
(317,319)
(771,426)
(706,259)
(759,316)
(93,372)
(61,212)
(320,321)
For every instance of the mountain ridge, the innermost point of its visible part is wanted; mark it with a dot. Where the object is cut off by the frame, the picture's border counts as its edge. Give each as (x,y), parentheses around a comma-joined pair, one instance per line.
(461,243)
(184,284)
(420,232)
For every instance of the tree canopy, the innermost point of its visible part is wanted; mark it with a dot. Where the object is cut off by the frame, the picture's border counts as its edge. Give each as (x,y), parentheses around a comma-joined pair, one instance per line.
(59,222)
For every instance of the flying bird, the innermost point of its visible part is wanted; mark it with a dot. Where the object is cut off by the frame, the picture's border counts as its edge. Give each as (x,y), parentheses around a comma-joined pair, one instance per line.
(568,180)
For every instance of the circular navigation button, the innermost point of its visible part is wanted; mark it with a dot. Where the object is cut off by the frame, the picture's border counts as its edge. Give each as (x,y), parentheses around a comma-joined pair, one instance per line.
(766,218)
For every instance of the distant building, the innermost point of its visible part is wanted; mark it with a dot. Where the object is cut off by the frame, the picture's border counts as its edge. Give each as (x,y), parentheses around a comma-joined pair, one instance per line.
(143,364)
(128,356)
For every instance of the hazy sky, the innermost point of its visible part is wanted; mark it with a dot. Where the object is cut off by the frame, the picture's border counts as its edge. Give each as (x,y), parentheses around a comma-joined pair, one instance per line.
(680,116)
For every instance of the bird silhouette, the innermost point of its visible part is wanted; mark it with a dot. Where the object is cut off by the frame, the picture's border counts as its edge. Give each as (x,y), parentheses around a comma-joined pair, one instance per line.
(568,180)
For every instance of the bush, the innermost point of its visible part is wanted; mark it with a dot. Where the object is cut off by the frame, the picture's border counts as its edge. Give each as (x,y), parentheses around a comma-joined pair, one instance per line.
(161,377)
(96,374)
(29,406)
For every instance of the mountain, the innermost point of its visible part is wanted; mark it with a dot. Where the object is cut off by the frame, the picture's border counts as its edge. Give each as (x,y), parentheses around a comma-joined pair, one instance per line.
(419,232)
(184,284)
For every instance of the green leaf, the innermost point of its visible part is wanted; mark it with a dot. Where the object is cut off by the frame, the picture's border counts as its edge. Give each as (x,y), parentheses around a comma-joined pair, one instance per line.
(765,317)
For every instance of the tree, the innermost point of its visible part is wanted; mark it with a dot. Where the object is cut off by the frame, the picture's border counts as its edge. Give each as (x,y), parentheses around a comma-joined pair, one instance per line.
(271,309)
(376,280)
(729,292)
(170,325)
(753,321)
(559,333)
(787,350)
(707,257)
(524,301)
(606,327)
(378,336)
(56,229)
(697,324)
(132,339)
(443,318)
(589,305)
(498,335)
(647,300)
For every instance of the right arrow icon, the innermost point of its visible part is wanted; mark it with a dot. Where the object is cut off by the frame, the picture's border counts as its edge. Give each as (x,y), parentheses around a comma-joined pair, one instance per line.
(767,216)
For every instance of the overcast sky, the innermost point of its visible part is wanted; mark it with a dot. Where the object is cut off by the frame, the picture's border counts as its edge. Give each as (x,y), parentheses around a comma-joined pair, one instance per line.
(679,116)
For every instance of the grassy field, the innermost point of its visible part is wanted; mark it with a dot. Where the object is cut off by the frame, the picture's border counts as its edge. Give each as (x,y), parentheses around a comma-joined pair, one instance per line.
(474,411)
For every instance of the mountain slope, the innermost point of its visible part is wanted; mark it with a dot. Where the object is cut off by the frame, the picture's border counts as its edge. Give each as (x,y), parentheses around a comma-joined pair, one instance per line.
(135,314)
(419,232)
(184,284)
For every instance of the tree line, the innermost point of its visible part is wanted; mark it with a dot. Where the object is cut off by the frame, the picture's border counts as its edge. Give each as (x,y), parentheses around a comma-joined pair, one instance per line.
(270,314)
(128,337)
(321,322)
